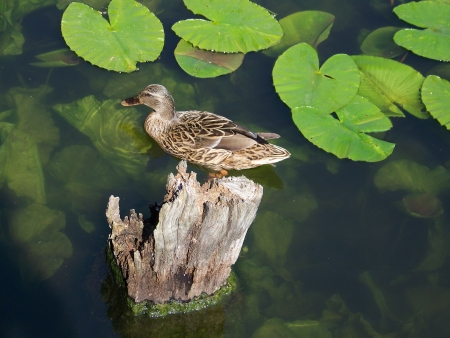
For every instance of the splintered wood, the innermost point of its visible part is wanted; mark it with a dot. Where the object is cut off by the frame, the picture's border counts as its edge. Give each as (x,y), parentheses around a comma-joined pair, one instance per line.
(199,235)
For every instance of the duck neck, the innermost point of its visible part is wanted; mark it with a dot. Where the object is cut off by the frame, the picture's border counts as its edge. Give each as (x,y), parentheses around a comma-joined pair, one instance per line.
(165,108)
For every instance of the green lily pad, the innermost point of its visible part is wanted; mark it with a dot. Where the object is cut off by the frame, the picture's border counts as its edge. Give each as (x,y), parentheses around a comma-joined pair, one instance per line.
(203,63)
(436,97)
(390,85)
(311,27)
(432,42)
(114,131)
(413,177)
(134,34)
(380,43)
(235,26)
(345,137)
(299,81)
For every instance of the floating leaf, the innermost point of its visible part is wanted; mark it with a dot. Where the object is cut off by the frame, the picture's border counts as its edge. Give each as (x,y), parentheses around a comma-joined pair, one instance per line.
(432,42)
(112,131)
(203,63)
(380,43)
(311,27)
(345,137)
(299,81)
(134,34)
(235,26)
(410,176)
(436,97)
(390,85)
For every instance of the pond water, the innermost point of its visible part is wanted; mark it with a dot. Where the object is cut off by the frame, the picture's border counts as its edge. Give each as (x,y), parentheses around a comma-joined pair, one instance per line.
(335,250)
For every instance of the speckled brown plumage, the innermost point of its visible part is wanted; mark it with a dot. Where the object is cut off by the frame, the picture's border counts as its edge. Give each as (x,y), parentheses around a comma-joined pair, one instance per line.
(204,138)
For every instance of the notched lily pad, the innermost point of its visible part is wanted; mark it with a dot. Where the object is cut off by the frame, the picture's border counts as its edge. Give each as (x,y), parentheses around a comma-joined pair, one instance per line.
(299,81)
(346,136)
(133,34)
(235,26)
(434,41)
(203,63)
(390,85)
(311,27)
(436,96)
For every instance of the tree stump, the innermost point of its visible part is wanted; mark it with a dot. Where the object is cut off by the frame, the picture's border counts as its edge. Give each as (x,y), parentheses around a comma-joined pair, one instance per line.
(198,237)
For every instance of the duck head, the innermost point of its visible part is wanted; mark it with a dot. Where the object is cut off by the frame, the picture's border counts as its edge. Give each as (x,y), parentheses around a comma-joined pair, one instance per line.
(156,97)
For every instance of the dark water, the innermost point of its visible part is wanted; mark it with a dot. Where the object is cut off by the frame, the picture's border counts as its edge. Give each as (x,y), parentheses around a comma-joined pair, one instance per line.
(329,254)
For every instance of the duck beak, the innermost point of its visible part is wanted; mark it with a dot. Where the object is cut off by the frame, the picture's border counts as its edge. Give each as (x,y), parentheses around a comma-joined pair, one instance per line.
(132,101)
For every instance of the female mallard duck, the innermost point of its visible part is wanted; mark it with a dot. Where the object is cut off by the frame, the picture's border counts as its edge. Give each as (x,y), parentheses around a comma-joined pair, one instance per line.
(203,138)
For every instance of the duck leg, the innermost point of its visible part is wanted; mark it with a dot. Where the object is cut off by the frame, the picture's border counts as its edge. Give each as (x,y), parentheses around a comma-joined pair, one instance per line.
(217,174)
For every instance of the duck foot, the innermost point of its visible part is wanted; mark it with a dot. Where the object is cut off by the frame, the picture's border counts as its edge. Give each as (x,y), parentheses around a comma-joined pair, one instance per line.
(217,174)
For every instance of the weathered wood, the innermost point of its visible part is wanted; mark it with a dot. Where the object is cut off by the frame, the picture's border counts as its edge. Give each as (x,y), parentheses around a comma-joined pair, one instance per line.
(198,237)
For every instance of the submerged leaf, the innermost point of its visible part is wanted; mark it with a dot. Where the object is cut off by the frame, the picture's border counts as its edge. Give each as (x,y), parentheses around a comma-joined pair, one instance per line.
(412,177)
(436,97)
(432,42)
(299,81)
(57,58)
(424,205)
(345,136)
(23,170)
(133,34)
(235,26)
(204,64)
(36,230)
(112,131)
(34,119)
(311,27)
(390,85)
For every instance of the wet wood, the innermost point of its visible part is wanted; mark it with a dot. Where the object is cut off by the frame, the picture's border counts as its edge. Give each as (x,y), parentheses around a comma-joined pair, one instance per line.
(198,237)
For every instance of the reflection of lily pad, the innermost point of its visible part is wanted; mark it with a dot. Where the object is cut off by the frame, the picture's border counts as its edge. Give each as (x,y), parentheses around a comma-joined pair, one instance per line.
(390,85)
(345,136)
(133,34)
(380,43)
(432,42)
(423,205)
(410,176)
(115,132)
(311,27)
(235,26)
(436,96)
(299,81)
(202,63)
(42,246)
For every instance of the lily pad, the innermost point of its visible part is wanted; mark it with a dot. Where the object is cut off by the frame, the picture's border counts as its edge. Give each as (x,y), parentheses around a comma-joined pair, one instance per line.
(311,27)
(57,58)
(115,132)
(235,26)
(134,34)
(299,81)
(203,63)
(345,136)
(380,43)
(391,86)
(436,96)
(412,177)
(432,42)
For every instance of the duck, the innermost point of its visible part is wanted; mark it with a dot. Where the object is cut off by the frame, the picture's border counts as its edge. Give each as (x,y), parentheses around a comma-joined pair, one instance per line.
(203,138)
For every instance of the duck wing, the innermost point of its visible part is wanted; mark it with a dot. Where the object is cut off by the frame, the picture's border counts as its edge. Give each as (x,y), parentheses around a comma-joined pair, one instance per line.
(217,132)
